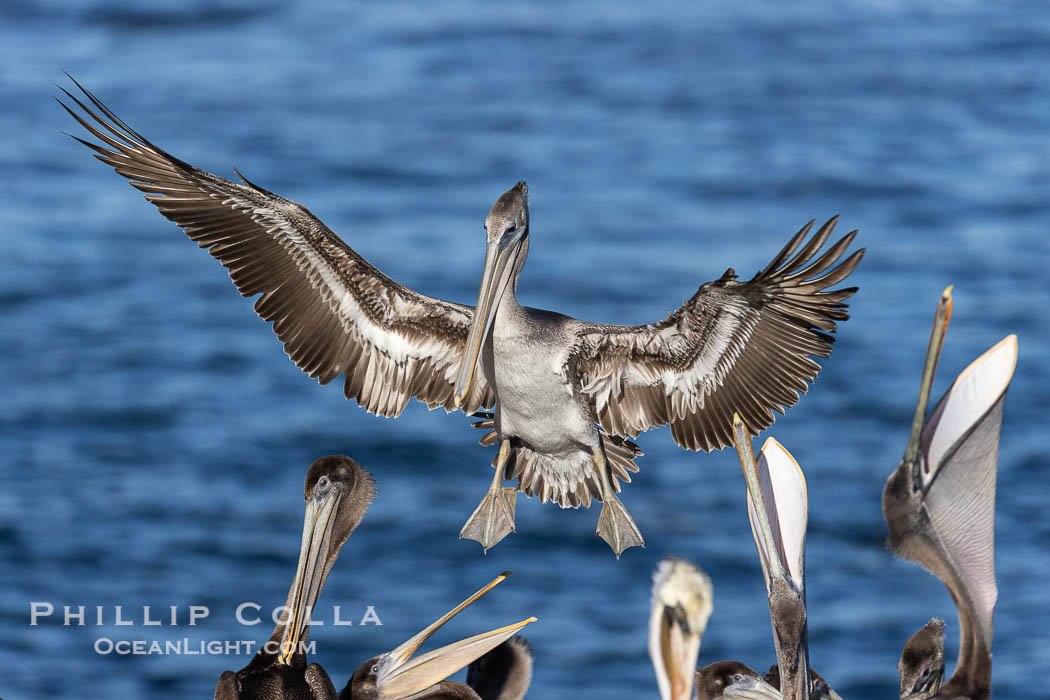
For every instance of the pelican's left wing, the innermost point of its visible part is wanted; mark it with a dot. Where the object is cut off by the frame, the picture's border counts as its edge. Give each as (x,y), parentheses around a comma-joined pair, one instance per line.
(734,347)
(334,312)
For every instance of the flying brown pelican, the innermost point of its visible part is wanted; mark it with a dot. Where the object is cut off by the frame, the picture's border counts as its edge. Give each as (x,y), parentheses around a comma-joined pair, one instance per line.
(921,666)
(394,675)
(503,673)
(682,602)
(939,503)
(337,493)
(567,393)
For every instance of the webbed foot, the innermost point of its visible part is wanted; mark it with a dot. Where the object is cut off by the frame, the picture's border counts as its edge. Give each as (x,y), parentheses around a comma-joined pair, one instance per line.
(616,526)
(493,519)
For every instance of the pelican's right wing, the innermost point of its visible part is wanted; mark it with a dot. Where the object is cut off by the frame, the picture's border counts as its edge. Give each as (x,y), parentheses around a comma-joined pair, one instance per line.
(960,442)
(334,312)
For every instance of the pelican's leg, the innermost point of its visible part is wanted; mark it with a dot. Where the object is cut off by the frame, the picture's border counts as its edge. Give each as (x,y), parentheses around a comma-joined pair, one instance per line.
(615,524)
(493,519)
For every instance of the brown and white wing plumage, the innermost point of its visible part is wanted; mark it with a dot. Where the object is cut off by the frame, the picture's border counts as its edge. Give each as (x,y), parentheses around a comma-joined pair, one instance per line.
(740,347)
(334,311)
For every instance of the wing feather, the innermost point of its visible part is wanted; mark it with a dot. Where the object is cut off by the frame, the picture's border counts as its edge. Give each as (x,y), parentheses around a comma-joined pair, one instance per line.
(334,312)
(733,347)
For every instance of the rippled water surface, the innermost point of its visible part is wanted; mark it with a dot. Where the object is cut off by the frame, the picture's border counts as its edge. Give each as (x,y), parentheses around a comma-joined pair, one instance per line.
(155,436)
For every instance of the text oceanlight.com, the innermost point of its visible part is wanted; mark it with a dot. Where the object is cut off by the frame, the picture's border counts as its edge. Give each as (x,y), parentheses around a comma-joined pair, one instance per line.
(188,647)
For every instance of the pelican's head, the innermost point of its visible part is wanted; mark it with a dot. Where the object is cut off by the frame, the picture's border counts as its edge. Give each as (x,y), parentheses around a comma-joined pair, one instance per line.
(922,662)
(337,492)
(728,678)
(509,216)
(683,599)
(506,244)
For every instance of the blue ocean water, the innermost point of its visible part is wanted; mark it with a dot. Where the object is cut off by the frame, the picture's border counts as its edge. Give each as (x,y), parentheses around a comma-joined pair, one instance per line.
(155,437)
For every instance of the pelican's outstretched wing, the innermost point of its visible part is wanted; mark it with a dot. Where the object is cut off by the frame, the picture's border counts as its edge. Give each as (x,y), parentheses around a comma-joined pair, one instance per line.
(334,312)
(960,443)
(740,347)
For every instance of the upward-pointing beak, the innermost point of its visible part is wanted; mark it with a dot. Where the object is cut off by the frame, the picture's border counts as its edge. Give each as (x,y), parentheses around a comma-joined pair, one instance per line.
(499,265)
(778,507)
(309,574)
(401,676)
(933,353)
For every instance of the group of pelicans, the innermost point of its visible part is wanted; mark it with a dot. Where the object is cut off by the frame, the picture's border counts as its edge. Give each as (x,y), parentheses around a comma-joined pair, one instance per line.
(567,397)
(939,504)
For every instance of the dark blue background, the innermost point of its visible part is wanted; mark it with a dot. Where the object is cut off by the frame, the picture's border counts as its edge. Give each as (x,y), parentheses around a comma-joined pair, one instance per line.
(155,437)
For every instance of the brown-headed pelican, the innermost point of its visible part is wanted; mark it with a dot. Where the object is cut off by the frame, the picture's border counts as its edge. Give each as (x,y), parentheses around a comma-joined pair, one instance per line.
(567,393)
(504,673)
(394,675)
(337,493)
(939,503)
(921,666)
(726,678)
(682,602)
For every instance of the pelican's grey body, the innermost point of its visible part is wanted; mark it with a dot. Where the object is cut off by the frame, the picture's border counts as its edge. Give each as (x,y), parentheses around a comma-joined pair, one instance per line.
(537,407)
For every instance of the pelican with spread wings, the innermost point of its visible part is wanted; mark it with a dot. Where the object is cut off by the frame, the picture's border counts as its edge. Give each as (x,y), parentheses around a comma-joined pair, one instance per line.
(567,394)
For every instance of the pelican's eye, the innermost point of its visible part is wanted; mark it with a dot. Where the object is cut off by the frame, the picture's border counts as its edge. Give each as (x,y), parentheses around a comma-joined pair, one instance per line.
(375,669)
(323,482)
(925,672)
(512,228)
(738,677)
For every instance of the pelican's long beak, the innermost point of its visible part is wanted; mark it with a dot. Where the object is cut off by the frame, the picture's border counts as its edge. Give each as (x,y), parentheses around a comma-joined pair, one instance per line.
(751,687)
(778,507)
(675,654)
(400,676)
(499,266)
(933,353)
(310,573)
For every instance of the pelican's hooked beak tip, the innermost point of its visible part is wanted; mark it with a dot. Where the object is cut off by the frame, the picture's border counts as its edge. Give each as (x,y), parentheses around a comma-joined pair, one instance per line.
(947,293)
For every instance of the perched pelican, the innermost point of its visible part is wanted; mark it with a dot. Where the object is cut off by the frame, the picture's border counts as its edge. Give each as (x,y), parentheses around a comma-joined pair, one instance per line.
(566,393)
(728,678)
(778,508)
(395,675)
(939,503)
(921,666)
(503,673)
(682,602)
(337,493)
